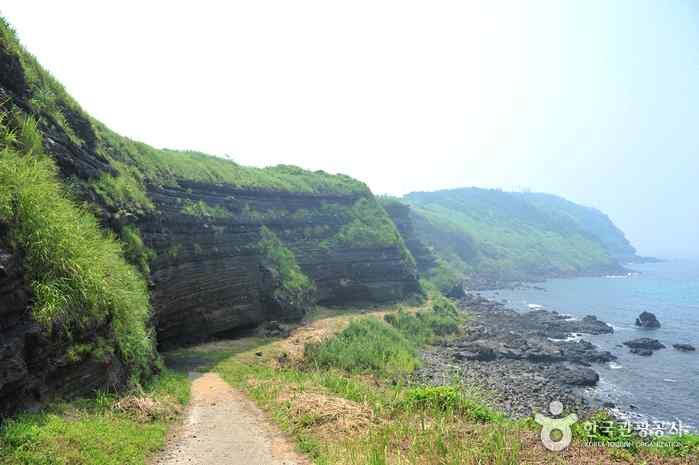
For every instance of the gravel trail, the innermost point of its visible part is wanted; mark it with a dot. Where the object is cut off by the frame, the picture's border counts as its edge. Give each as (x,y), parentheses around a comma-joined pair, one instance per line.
(223,427)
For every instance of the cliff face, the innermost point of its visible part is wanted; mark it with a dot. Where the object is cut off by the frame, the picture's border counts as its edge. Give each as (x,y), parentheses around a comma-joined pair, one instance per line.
(193,224)
(405,221)
(208,276)
(35,364)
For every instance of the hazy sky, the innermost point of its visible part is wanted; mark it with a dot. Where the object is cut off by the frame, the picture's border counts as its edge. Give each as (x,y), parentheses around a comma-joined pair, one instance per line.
(593,100)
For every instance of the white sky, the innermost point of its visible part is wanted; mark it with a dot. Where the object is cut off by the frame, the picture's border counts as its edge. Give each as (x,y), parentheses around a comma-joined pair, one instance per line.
(591,100)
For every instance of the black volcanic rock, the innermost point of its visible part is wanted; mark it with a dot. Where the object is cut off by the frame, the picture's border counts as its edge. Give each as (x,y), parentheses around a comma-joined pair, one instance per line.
(526,359)
(647,320)
(578,376)
(644,343)
(644,346)
(641,351)
(34,365)
(684,347)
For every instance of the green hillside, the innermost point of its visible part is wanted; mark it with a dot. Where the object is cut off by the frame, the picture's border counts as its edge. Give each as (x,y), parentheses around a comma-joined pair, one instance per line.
(495,236)
(587,219)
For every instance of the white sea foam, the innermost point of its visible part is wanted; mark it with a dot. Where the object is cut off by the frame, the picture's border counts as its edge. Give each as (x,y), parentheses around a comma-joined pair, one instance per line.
(535,306)
(615,366)
(572,337)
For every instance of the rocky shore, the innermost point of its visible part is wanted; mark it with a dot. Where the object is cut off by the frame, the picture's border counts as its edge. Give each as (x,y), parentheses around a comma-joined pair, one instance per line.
(523,360)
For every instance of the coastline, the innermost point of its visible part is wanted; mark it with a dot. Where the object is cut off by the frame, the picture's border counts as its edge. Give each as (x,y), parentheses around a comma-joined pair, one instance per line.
(523,360)
(477,283)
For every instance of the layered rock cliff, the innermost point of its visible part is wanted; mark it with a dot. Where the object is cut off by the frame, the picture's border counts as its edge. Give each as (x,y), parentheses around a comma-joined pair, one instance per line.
(208,275)
(36,364)
(193,225)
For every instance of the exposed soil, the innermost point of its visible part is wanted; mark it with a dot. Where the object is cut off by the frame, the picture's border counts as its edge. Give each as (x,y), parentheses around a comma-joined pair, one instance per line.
(224,427)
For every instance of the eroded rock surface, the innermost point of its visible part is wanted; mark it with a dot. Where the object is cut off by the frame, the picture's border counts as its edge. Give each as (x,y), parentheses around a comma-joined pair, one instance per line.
(526,359)
(647,320)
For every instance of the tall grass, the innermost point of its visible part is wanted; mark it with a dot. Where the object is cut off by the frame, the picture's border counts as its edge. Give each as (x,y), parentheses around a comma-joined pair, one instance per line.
(79,276)
(366,345)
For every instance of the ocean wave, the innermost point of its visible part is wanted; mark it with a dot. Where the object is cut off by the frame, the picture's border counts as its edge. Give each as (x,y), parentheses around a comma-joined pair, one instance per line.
(535,306)
(615,366)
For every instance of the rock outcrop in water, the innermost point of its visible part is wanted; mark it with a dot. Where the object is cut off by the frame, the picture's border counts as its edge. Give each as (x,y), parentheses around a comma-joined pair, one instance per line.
(647,320)
(684,347)
(644,346)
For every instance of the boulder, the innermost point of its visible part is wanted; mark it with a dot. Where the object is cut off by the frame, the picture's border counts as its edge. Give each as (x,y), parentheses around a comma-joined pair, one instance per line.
(684,347)
(582,377)
(647,320)
(577,376)
(644,343)
(641,351)
(644,346)
(481,351)
(274,329)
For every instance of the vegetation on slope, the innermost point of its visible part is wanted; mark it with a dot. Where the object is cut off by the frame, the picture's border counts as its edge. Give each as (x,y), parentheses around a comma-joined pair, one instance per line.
(590,220)
(389,347)
(343,415)
(105,430)
(296,287)
(78,273)
(502,236)
(367,345)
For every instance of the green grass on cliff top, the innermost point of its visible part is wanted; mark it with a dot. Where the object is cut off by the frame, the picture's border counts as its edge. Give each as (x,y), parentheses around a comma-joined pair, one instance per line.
(137,163)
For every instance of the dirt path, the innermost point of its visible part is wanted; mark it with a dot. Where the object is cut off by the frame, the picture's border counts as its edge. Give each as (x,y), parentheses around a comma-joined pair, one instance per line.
(223,427)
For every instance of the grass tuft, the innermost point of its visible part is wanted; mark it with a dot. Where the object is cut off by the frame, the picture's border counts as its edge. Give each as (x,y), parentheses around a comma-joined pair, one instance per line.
(366,345)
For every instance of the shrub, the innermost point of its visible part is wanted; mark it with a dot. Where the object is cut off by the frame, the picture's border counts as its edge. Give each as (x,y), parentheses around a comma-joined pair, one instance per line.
(79,275)
(202,209)
(135,250)
(280,258)
(366,345)
(424,327)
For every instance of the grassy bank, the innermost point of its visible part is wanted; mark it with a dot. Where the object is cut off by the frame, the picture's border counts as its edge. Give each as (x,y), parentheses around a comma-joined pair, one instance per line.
(78,273)
(341,388)
(105,430)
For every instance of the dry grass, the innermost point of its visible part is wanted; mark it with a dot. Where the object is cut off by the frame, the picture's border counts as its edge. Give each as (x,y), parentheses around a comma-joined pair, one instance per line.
(329,416)
(146,409)
(351,419)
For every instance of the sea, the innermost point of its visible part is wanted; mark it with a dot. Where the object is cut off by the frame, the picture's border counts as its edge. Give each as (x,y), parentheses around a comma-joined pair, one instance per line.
(663,387)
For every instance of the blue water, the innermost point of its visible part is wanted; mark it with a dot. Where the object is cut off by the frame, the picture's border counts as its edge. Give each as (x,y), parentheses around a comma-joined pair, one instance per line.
(662,387)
